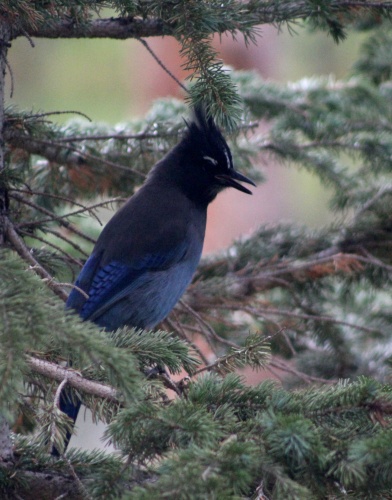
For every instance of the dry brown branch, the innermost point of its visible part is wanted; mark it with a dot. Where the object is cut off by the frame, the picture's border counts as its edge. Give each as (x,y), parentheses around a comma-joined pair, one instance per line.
(240,287)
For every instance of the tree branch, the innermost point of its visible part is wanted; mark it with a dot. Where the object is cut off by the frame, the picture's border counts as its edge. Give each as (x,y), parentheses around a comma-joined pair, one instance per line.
(73,378)
(18,244)
(252,14)
(61,153)
(43,485)
(245,286)
(120,28)
(5,35)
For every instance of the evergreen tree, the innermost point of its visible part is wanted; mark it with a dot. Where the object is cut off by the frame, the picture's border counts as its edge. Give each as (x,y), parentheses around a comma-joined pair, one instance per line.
(317,302)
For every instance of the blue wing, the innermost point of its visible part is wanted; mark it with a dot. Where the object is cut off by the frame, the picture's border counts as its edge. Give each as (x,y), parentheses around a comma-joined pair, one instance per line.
(76,300)
(118,293)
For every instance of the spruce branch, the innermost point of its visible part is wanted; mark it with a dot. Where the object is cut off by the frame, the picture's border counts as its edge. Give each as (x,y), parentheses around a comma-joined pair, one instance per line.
(74,379)
(33,484)
(121,28)
(119,136)
(165,69)
(68,257)
(301,375)
(239,16)
(206,329)
(20,247)
(68,241)
(176,326)
(52,217)
(63,154)
(255,354)
(260,311)
(239,286)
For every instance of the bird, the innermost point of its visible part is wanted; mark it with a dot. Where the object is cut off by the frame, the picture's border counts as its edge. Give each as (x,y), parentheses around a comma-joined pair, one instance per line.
(147,254)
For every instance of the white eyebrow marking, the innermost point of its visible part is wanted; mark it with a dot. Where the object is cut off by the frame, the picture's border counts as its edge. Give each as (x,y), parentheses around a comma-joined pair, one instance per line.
(212,160)
(228,160)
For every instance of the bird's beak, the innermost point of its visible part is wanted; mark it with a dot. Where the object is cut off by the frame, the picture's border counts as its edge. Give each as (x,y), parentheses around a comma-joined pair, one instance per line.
(229,180)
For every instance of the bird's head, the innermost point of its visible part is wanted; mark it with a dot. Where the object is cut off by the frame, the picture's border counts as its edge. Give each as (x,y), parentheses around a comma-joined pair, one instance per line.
(206,160)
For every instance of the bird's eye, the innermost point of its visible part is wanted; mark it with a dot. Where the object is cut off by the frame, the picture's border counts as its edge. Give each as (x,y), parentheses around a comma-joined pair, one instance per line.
(212,160)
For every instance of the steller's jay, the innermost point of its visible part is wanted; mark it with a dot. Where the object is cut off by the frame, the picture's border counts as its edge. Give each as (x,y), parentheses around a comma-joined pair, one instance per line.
(148,252)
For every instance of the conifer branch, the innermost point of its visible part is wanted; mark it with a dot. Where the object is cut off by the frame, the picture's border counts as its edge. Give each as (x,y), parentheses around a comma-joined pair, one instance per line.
(20,247)
(35,484)
(63,154)
(53,218)
(239,17)
(5,36)
(68,256)
(329,288)
(239,286)
(72,378)
(121,28)
(181,330)
(267,311)
(256,353)
(305,377)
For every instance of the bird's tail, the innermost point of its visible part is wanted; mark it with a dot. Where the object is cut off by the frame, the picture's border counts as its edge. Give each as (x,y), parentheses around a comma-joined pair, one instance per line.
(71,408)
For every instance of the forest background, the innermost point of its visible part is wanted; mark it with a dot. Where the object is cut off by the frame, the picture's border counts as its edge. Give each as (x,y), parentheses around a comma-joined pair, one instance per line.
(302,299)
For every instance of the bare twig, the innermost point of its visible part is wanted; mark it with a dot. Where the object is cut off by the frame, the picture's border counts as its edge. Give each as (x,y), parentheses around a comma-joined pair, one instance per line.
(178,327)
(51,215)
(281,365)
(258,311)
(59,152)
(224,359)
(81,486)
(73,286)
(206,328)
(62,222)
(117,137)
(66,199)
(380,193)
(26,255)
(316,267)
(61,218)
(10,119)
(52,245)
(371,259)
(165,69)
(69,242)
(11,77)
(57,396)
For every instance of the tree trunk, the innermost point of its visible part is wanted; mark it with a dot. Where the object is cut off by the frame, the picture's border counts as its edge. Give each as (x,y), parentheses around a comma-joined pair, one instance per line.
(5,36)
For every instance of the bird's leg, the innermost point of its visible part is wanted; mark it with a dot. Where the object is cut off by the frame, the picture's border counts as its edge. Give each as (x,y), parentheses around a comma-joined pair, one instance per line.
(161,373)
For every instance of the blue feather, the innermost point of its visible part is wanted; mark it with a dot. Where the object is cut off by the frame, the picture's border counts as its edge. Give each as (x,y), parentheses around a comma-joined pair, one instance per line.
(139,294)
(76,300)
